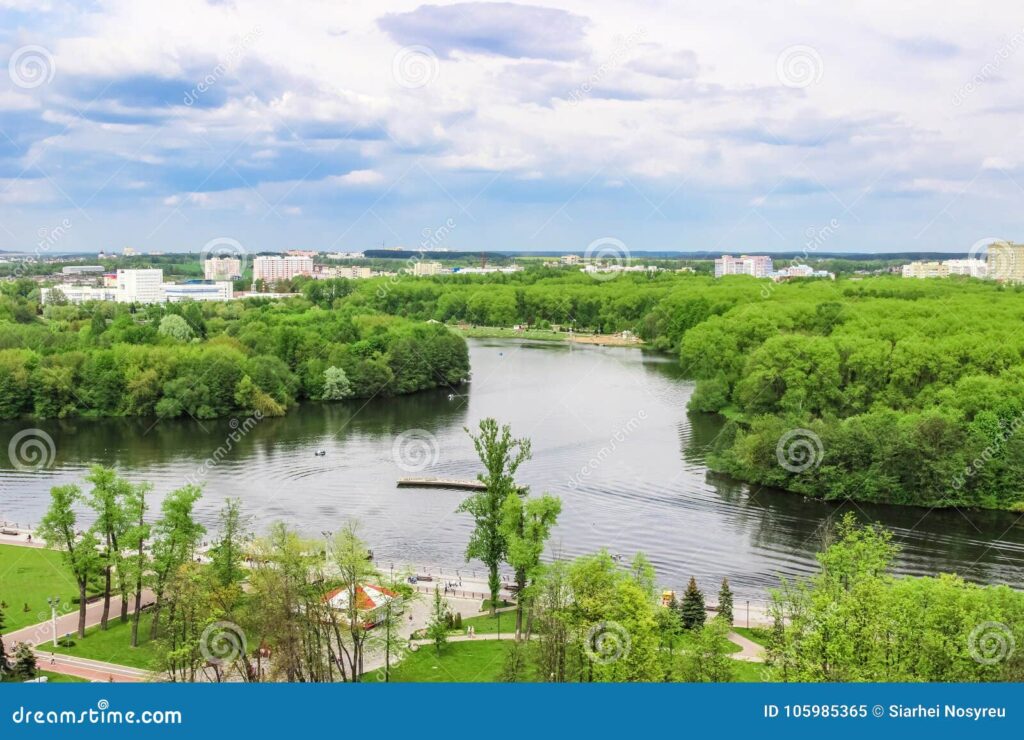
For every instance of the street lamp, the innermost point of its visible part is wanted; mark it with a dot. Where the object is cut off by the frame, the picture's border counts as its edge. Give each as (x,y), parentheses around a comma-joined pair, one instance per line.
(54,602)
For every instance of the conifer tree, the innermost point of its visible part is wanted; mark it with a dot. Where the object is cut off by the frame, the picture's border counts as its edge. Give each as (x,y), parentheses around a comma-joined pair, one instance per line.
(725,602)
(692,608)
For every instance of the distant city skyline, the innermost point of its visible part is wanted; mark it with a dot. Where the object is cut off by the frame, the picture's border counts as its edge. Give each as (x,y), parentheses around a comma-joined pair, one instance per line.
(509,126)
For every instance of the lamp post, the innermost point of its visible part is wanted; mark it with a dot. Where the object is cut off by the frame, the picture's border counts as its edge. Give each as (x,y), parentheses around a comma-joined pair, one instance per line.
(54,602)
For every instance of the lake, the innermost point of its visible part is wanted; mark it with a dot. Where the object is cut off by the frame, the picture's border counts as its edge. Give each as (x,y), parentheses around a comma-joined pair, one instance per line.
(611,436)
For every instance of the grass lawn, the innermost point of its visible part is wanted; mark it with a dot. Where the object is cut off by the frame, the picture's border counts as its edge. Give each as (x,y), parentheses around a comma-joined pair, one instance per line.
(746,672)
(51,677)
(112,646)
(488,625)
(754,634)
(460,662)
(485,605)
(28,575)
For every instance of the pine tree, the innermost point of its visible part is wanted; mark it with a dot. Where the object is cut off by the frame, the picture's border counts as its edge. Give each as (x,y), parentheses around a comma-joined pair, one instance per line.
(692,608)
(24,662)
(725,602)
(437,628)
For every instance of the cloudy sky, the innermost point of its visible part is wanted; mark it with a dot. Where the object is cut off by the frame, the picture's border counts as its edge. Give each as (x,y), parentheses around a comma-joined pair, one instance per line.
(666,125)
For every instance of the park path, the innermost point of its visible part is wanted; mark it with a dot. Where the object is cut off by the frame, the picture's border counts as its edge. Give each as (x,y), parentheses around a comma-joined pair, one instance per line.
(751,652)
(40,635)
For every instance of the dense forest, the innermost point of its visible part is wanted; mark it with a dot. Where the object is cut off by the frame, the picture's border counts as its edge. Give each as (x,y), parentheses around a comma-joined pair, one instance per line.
(211,359)
(879,389)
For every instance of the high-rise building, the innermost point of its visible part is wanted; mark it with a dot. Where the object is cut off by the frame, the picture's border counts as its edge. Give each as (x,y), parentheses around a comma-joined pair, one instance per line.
(273,269)
(140,286)
(757,265)
(222,268)
(1005,261)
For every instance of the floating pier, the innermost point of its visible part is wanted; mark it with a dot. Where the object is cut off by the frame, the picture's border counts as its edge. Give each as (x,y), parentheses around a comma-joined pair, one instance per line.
(460,484)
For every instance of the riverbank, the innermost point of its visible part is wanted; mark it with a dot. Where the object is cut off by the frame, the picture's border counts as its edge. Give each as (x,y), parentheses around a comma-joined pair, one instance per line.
(624,339)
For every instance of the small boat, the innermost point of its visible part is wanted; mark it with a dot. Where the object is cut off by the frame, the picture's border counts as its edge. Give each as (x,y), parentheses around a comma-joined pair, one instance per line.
(320,453)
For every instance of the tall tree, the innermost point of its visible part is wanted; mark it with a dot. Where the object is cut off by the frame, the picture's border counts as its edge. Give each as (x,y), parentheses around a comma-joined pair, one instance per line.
(135,538)
(3,650)
(437,627)
(526,525)
(725,602)
(355,568)
(226,554)
(57,528)
(692,607)
(501,455)
(105,500)
(177,534)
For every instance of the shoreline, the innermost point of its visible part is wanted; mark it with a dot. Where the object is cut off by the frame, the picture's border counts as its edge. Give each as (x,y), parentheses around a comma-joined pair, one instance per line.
(545,335)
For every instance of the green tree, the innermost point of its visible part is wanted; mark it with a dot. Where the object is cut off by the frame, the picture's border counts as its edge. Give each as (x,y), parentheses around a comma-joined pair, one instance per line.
(226,553)
(709,660)
(725,602)
(136,536)
(526,525)
(437,627)
(24,662)
(501,455)
(336,384)
(58,529)
(691,610)
(105,499)
(355,569)
(176,328)
(176,535)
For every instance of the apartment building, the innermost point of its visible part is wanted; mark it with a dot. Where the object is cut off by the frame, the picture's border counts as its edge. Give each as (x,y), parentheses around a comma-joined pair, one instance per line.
(273,269)
(424,269)
(756,265)
(222,268)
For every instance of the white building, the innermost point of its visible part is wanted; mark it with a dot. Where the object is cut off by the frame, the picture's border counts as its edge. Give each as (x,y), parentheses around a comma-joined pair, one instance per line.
(222,268)
(801,271)
(757,265)
(222,290)
(969,267)
(345,256)
(273,269)
(140,286)
(77,294)
(424,269)
(570,259)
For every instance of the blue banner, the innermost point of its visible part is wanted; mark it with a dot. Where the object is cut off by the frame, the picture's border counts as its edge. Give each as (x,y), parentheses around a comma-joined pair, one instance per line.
(535,710)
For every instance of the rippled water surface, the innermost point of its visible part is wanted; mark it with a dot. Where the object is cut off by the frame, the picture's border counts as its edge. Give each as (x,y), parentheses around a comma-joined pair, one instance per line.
(610,435)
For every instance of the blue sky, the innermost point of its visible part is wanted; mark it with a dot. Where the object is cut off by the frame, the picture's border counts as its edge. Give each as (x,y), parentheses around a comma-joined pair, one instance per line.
(666,125)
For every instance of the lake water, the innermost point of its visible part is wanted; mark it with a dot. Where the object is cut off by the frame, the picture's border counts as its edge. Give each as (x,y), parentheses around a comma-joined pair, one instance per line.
(611,436)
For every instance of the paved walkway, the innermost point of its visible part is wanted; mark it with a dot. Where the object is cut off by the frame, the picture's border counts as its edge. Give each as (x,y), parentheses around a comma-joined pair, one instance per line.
(751,652)
(41,635)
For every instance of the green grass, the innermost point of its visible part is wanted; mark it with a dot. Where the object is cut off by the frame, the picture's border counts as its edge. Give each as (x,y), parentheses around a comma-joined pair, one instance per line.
(744,671)
(459,662)
(51,677)
(112,646)
(488,625)
(485,605)
(28,575)
(500,332)
(754,634)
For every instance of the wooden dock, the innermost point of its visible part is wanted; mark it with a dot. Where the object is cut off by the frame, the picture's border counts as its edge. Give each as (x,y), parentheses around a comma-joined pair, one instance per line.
(459,484)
